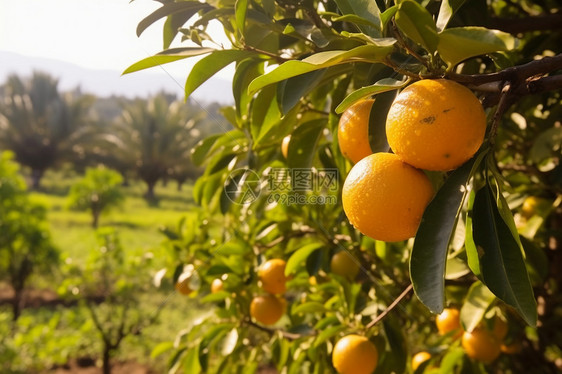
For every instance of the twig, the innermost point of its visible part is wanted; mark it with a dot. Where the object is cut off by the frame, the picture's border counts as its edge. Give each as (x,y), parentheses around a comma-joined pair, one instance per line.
(503,105)
(403,43)
(271,331)
(390,307)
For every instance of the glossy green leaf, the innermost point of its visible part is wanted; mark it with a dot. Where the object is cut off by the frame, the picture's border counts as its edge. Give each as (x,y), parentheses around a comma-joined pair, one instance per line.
(328,333)
(309,307)
(171,8)
(377,121)
(246,71)
(417,24)
(446,11)
(477,302)
(471,250)
(167,56)
(300,256)
(429,254)
(292,90)
(161,348)
(387,15)
(212,64)
(451,360)
(265,114)
(201,150)
(397,342)
(321,60)
(241,7)
(501,262)
(365,9)
(383,85)
(475,41)
(304,141)
(173,24)
(191,362)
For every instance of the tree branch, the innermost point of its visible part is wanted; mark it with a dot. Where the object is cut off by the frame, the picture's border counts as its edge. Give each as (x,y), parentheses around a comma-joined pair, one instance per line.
(514,74)
(391,306)
(285,334)
(533,23)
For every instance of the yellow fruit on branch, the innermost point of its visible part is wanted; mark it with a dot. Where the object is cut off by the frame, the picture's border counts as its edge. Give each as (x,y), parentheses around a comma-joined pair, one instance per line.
(355,354)
(385,198)
(353,131)
(285,146)
(500,328)
(344,264)
(481,345)
(272,276)
(183,287)
(449,321)
(216,285)
(267,309)
(419,358)
(435,125)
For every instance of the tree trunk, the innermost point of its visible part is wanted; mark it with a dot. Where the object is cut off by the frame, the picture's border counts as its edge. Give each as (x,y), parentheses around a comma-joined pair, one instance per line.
(150,196)
(17,304)
(36,175)
(95,217)
(106,360)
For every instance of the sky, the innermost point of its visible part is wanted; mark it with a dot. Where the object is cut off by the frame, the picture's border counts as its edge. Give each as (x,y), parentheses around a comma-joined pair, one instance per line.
(98,34)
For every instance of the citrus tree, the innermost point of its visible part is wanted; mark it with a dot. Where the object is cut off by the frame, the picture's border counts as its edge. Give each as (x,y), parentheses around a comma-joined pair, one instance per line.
(420,139)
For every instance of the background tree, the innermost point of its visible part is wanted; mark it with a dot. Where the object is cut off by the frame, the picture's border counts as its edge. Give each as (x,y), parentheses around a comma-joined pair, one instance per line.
(151,136)
(42,126)
(321,57)
(98,191)
(25,245)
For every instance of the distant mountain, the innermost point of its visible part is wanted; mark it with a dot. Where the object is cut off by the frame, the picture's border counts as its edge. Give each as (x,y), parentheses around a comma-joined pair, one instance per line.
(108,82)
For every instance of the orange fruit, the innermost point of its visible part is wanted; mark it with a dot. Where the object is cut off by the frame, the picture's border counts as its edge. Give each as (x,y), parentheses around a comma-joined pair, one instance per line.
(419,358)
(272,276)
(511,349)
(353,131)
(385,198)
(285,146)
(435,124)
(500,328)
(354,354)
(481,345)
(183,287)
(344,264)
(529,207)
(448,321)
(216,285)
(267,309)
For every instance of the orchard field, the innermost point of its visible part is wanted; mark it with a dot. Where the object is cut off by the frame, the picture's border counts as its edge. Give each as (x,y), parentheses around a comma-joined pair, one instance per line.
(383,196)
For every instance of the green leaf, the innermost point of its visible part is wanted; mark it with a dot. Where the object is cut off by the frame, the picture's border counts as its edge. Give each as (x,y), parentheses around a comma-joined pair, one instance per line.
(164,57)
(290,91)
(265,115)
(246,71)
(417,24)
(471,250)
(453,358)
(546,145)
(501,261)
(191,363)
(210,65)
(475,41)
(161,348)
(478,300)
(446,11)
(241,7)
(328,333)
(387,15)
(383,85)
(299,256)
(173,24)
(201,150)
(304,140)
(321,60)
(171,8)
(310,307)
(377,121)
(229,343)
(365,9)
(429,254)
(395,336)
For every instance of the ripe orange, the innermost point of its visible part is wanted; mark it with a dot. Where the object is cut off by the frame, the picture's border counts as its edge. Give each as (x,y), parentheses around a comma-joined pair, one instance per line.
(500,328)
(353,131)
(511,349)
(419,358)
(529,207)
(449,320)
(354,354)
(267,309)
(183,287)
(481,345)
(216,285)
(385,198)
(344,264)
(272,276)
(285,146)
(435,124)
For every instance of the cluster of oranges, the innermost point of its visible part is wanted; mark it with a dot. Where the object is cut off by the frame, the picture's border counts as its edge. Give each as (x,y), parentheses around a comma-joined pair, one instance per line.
(269,308)
(434,125)
(484,343)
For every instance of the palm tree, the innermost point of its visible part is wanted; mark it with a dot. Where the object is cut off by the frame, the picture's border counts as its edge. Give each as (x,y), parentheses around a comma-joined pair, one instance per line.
(154,137)
(40,125)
